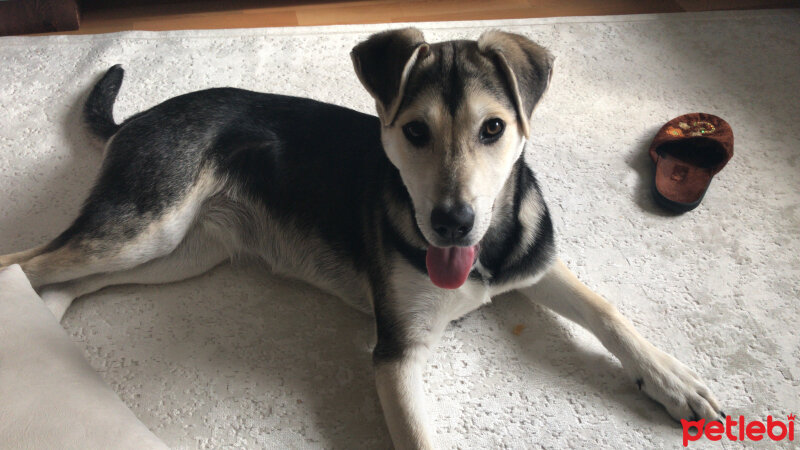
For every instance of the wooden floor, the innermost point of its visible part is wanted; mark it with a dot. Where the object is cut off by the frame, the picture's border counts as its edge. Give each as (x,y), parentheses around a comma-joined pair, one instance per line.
(109,16)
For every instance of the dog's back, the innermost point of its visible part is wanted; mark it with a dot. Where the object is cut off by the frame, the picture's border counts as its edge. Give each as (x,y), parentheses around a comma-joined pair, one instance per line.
(293,181)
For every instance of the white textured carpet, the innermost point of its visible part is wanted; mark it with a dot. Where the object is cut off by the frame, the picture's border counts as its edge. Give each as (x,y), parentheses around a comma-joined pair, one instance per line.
(239,358)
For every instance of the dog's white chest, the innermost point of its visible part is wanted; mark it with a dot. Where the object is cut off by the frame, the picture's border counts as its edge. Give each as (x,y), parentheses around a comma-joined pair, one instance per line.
(427,309)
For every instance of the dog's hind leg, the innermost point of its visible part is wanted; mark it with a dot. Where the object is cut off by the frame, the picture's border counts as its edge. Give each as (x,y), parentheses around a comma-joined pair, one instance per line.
(20,257)
(111,236)
(200,251)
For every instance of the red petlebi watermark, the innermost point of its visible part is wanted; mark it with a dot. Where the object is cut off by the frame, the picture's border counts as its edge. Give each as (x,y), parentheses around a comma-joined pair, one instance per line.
(738,430)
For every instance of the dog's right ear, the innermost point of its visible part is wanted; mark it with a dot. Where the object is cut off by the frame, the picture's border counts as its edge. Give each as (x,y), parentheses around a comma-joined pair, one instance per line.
(383,63)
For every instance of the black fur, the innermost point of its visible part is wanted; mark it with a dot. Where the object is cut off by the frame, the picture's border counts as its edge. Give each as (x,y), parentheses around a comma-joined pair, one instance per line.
(502,241)
(381,60)
(446,67)
(98,110)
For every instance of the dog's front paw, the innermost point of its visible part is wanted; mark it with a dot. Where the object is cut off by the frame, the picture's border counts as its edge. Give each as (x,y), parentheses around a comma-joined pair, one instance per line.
(669,382)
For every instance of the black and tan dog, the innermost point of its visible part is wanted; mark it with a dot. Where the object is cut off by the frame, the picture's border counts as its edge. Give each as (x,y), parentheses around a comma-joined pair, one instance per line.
(420,215)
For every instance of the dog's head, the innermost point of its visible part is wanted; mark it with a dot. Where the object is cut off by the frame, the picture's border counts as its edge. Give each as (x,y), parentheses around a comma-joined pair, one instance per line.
(455,117)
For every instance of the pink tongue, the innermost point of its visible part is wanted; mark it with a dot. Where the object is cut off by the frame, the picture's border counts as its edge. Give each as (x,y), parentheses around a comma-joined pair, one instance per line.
(449,267)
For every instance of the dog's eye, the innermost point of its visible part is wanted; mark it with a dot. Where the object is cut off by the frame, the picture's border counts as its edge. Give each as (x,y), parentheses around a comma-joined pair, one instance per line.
(491,130)
(417,133)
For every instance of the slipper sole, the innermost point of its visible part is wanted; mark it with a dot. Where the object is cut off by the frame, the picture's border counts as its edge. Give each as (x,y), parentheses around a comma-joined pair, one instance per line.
(672,205)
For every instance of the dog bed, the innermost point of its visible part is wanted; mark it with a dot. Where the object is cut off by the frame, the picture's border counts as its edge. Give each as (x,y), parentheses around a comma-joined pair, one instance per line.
(50,397)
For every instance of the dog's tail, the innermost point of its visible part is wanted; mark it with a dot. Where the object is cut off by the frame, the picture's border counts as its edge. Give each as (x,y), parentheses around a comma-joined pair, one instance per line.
(99,107)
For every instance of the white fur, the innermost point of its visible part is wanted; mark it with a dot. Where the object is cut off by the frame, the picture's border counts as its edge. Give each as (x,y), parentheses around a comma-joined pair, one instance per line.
(400,390)
(200,251)
(425,311)
(663,378)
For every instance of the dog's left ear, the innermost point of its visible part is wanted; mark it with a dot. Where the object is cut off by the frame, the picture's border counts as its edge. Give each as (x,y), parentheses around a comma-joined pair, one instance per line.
(383,63)
(527,67)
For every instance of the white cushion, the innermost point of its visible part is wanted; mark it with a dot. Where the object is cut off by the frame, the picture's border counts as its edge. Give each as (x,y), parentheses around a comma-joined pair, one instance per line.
(50,397)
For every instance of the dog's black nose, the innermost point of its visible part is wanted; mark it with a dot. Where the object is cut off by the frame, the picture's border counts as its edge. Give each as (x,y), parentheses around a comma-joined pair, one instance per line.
(453,222)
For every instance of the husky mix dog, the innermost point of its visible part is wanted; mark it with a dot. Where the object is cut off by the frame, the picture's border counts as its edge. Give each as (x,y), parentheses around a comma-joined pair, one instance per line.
(419,215)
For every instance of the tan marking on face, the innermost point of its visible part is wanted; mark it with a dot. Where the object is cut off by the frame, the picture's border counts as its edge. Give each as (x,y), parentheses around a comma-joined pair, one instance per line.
(455,165)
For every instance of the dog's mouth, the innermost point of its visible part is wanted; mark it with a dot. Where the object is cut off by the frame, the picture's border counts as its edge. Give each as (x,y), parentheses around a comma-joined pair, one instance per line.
(449,267)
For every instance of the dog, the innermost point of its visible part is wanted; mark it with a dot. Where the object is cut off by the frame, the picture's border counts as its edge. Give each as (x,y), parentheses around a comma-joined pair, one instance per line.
(419,215)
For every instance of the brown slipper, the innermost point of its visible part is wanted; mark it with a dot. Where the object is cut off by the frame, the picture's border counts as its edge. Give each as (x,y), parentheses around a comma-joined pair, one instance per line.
(688,151)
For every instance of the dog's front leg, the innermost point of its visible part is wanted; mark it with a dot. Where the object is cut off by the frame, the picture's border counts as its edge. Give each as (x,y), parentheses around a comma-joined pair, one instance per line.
(399,382)
(659,375)
(411,314)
